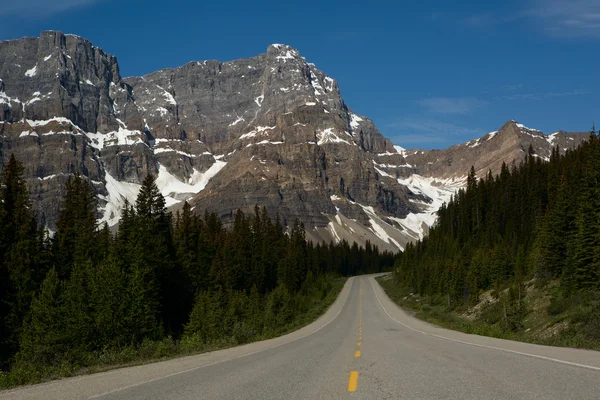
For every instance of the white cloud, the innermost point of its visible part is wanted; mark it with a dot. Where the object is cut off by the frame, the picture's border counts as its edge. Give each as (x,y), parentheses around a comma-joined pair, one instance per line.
(41,8)
(558,18)
(567,18)
(450,105)
(540,96)
(422,127)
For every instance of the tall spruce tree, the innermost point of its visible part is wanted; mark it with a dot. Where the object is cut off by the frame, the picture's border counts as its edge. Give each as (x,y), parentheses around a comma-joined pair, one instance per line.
(75,238)
(18,249)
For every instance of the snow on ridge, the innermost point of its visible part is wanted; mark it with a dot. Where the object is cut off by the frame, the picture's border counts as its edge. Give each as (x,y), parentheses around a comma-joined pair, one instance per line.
(401,150)
(238,120)
(355,120)
(123,136)
(329,136)
(168,96)
(171,150)
(4,99)
(33,123)
(314,81)
(263,142)
(521,126)
(552,137)
(290,54)
(329,84)
(31,72)
(258,130)
(474,143)
(259,100)
(392,165)
(48,57)
(491,135)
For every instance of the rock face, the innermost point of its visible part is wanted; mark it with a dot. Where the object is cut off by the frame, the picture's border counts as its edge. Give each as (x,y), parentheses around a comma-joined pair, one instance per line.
(271,130)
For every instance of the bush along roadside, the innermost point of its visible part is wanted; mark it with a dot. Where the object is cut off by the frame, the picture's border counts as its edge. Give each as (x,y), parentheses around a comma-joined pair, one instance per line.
(540,316)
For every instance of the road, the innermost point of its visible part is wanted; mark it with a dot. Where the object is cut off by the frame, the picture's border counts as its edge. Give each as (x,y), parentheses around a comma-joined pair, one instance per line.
(364,347)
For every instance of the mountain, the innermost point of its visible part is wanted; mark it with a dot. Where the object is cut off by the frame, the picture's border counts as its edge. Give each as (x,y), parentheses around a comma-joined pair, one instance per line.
(271,130)
(510,143)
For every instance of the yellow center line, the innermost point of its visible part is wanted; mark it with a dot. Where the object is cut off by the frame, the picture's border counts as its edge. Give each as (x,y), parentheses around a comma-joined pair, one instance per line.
(353,381)
(357,354)
(358,344)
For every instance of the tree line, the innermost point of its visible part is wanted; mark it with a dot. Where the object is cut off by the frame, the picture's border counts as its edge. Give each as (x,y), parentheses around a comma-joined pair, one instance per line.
(72,298)
(538,219)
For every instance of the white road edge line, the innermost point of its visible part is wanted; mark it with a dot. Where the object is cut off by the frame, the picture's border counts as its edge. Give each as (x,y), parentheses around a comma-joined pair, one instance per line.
(481,345)
(96,396)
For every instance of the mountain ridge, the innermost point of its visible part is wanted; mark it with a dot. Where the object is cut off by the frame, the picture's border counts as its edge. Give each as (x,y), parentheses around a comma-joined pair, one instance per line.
(271,130)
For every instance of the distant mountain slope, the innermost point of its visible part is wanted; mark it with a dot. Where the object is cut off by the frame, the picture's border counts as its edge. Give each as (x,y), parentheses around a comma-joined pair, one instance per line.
(510,143)
(271,130)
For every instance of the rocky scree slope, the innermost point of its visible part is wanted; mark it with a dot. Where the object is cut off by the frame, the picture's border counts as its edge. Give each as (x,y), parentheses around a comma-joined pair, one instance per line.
(271,130)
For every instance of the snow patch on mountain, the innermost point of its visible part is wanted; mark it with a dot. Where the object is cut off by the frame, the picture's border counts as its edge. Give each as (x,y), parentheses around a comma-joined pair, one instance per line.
(123,136)
(378,227)
(355,121)
(259,130)
(176,191)
(523,127)
(118,193)
(552,137)
(329,136)
(440,191)
(400,150)
(31,72)
(238,120)
(168,96)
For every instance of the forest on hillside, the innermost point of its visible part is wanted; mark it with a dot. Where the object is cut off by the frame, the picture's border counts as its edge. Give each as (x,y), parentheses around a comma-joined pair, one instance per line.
(163,285)
(537,221)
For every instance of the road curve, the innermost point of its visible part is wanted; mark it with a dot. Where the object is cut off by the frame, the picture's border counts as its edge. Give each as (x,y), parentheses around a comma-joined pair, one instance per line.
(363,347)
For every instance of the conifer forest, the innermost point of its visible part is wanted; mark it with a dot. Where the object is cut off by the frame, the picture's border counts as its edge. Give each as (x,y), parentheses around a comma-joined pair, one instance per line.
(161,285)
(535,222)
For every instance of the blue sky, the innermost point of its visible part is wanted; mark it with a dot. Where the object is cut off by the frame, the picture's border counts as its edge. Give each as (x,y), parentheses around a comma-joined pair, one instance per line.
(429,73)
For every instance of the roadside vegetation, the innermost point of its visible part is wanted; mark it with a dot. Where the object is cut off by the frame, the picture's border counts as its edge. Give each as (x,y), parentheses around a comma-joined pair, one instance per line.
(515,255)
(86,300)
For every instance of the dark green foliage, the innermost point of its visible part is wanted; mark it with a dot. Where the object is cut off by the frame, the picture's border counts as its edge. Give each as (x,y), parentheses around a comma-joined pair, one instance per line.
(76,235)
(540,219)
(161,285)
(22,266)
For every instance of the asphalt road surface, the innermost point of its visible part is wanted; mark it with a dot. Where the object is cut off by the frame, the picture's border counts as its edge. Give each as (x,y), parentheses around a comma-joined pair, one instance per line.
(364,347)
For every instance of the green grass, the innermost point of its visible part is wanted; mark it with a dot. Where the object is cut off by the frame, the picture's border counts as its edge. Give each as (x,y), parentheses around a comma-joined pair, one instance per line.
(147,352)
(577,312)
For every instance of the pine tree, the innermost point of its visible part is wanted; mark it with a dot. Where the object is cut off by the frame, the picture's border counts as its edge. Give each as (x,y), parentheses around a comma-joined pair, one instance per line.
(154,256)
(75,238)
(19,238)
(44,340)
(109,299)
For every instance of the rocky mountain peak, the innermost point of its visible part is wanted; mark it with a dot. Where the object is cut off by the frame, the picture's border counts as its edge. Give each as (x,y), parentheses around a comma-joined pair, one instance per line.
(282,51)
(271,130)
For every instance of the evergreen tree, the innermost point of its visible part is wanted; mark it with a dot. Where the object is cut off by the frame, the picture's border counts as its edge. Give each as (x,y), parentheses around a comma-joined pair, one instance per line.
(18,270)
(44,340)
(75,238)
